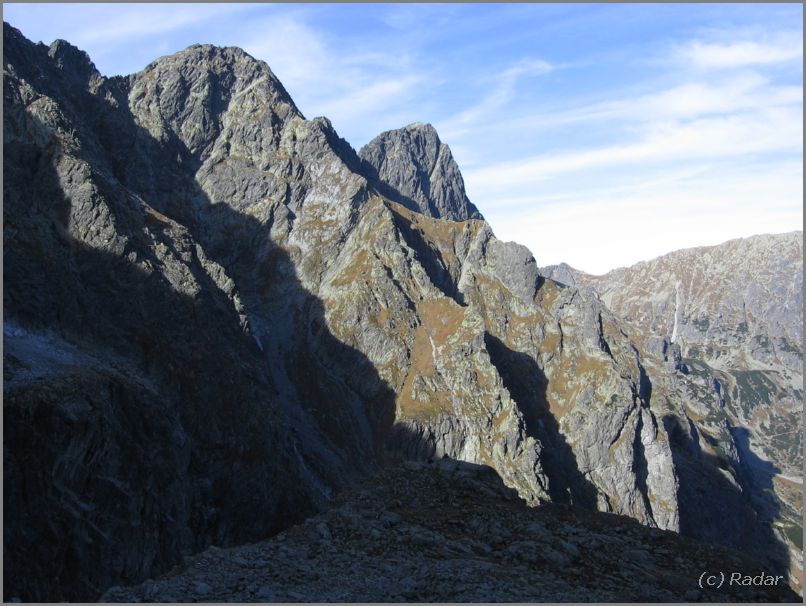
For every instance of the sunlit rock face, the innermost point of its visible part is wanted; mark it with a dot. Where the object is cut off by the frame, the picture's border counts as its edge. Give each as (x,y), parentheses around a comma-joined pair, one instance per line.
(218,315)
(416,169)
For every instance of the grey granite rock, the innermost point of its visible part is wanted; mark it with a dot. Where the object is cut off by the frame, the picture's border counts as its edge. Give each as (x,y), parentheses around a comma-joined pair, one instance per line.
(418,171)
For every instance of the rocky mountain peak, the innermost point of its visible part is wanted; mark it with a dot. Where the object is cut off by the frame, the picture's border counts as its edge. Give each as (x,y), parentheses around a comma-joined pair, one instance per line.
(73,61)
(189,94)
(14,40)
(562,273)
(416,169)
(219,60)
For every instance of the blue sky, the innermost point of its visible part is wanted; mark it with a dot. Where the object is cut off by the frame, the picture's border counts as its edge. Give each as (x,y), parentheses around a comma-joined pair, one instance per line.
(598,135)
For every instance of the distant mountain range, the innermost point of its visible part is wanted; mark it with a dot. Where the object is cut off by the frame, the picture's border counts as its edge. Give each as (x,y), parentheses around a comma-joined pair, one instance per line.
(218,316)
(737,304)
(735,311)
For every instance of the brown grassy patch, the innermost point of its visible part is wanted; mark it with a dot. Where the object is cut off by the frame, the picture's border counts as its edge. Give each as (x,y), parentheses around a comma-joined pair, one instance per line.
(382,317)
(570,378)
(693,415)
(441,319)
(357,270)
(547,295)
(499,419)
(551,342)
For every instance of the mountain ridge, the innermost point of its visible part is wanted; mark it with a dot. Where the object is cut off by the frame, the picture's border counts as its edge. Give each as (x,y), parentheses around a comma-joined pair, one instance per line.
(549,268)
(298,327)
(771,258)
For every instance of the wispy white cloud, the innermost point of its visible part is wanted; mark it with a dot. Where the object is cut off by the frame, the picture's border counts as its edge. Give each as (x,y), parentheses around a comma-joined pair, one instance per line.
(695,97)
(294,51)
(376,97)
(783,47)
(354,87)
(770,130)
(746,91)
(128,22)
(502,89)
(409,18)
(527,67)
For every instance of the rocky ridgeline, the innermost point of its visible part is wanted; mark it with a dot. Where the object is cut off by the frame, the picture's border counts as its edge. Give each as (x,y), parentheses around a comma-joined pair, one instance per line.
(735,305)
(218,316)
(453,532)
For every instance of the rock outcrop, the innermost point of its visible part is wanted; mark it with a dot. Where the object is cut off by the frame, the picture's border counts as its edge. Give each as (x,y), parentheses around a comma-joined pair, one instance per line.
(218,316)
(413,167)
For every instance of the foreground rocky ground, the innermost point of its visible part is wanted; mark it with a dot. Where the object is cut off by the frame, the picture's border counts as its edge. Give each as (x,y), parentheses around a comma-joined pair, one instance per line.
(452,532)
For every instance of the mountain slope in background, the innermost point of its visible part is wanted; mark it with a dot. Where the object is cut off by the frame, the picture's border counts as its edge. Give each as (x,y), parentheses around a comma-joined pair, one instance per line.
(733,314)
(734,305)
(218,315)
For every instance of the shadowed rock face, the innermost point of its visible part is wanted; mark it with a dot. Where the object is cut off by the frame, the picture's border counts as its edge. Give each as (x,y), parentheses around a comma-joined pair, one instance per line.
(418,170)
(218,316)
(144,416)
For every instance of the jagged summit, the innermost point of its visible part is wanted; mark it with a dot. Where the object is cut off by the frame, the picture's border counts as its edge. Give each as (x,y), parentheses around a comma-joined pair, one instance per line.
(419,171)
(211,55)
(562,273)
(69,57)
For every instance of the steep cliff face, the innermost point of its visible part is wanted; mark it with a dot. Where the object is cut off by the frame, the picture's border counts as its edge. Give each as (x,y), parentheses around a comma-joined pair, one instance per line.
(413,167)
(218,315)
(492,365)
